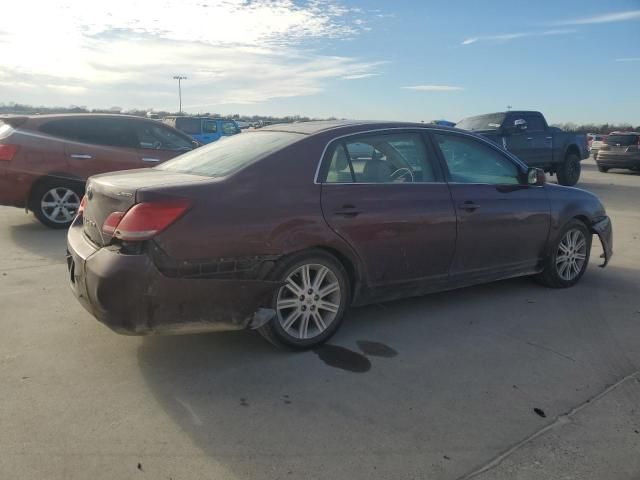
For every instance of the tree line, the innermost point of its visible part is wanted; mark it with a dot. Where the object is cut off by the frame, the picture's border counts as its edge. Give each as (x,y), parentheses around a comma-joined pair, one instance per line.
(23,109)
(604,128)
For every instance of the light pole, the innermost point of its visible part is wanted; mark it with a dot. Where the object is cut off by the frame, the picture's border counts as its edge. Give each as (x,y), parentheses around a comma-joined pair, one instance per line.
(180,78)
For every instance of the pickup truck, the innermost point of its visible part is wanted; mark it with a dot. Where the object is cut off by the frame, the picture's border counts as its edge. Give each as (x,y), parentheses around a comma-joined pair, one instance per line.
(527,135)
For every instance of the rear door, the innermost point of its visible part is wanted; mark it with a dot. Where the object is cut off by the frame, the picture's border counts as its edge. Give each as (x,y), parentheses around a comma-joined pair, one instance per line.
(210,130)
(539,141)
(384,194)
(96,144)
(503,223)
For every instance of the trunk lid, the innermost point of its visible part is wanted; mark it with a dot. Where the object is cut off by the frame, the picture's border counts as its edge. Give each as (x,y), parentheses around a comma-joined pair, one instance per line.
(118,192)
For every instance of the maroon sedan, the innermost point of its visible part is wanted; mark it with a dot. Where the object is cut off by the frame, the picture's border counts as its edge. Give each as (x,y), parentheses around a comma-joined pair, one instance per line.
(46,159)
(284,228)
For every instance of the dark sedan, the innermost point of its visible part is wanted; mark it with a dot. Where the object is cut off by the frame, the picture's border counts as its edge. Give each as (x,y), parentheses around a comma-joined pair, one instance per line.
(284,228)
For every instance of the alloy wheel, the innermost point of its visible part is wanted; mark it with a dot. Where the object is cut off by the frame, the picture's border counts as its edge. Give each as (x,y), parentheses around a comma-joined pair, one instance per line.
(571,254)
(60,204)
(309,301)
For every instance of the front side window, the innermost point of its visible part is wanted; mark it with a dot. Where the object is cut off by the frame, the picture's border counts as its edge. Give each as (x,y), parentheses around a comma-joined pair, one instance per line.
(220,159)
(382,158)
(229,128)
(470,161)
(154,136)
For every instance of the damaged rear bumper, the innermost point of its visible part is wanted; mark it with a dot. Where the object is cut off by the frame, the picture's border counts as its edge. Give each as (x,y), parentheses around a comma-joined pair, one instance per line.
(603,229)
(128,294)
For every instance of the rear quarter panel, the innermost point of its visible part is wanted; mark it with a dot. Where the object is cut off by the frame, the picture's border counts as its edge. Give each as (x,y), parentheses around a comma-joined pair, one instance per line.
(271,208)
(38,156)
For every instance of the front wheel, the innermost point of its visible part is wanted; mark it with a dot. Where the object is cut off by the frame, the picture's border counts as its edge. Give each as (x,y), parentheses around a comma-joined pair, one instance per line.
(602,169)
(569,172)
(568,258)
(311,303)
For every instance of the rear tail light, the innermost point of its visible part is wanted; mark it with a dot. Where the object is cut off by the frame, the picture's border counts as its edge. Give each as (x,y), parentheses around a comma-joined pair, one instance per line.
(7,152)
(83,202)
(144,220)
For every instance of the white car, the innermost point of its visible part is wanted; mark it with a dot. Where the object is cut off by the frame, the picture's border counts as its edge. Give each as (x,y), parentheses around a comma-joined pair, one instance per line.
(595,142)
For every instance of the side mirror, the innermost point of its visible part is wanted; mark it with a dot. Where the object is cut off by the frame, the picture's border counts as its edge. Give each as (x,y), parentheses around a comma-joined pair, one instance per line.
(195,143)
(536,176)
(520,125)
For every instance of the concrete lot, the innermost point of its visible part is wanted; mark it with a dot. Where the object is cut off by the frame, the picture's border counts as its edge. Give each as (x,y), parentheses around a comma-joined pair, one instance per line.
(451,390)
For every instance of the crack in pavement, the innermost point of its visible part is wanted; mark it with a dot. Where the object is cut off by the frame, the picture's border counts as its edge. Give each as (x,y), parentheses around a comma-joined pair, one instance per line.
(560,420)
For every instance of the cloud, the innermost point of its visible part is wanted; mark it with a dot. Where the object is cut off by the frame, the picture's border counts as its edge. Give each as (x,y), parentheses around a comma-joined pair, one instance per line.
(628,59)
(358,76)
(125,53)
(513,36)
(433,88)
(604,18)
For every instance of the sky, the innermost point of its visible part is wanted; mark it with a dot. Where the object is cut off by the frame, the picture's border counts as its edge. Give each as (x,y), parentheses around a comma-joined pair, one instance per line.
(574,60)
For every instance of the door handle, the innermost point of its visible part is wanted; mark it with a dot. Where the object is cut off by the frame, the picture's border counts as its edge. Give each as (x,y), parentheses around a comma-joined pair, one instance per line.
(469,206)
(529,138)
(82,156)
(347,211)
(150,160)
(548,138)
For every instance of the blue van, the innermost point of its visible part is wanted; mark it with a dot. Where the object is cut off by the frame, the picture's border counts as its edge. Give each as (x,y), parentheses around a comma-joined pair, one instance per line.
(204,129)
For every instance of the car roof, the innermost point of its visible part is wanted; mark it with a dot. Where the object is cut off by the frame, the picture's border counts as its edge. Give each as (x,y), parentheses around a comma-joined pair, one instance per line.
(315,127)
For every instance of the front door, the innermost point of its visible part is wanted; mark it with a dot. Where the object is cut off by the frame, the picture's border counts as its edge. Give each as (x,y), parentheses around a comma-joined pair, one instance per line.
(503,223)
(384,194)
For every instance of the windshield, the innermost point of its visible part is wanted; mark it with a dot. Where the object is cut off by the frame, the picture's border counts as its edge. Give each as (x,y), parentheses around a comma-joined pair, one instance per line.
(491,121)
(231,154)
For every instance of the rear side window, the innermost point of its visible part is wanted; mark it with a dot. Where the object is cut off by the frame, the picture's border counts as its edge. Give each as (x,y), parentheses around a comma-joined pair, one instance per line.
(209,126)
(622,140)
(189,125)
(235,153)
(534,123)
(113,132)
(383,158)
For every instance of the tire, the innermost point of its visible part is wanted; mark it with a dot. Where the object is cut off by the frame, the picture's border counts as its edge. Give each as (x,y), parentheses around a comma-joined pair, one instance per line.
(296,308)
(554,274)
(55,202)
(569,171)
(602,169)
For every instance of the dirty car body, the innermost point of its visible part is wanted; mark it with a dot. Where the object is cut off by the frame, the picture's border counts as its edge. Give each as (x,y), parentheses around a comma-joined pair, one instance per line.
(192,245)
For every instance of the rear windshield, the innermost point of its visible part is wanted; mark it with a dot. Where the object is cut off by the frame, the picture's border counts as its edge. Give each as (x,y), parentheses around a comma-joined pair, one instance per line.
(189,125)
(491,121)
(622,140)
(230,154)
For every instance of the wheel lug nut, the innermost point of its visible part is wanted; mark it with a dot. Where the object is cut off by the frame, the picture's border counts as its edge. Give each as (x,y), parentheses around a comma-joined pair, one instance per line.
(301,298)
(304,307)
(316,297)
(313,307)
(310,292)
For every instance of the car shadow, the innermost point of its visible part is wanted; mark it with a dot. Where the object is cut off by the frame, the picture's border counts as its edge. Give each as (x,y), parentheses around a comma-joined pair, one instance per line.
(39,240)
(453,363)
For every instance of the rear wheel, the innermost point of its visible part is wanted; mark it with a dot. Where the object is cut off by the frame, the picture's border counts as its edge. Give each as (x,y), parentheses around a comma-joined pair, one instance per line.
(569,172)
(311,303)
(569,257)
(602,169)
(56,202)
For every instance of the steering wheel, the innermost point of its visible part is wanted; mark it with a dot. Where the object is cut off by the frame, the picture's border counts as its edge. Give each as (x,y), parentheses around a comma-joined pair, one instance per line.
(402,172)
